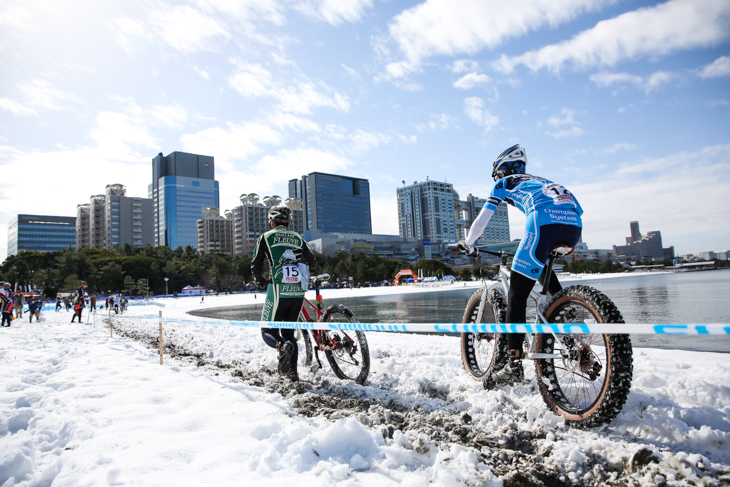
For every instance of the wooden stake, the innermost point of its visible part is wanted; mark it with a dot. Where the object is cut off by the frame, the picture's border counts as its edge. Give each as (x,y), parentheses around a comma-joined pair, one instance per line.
(160,337)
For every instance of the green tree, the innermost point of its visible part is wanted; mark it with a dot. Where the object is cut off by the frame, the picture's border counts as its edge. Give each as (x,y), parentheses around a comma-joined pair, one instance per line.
(130,287)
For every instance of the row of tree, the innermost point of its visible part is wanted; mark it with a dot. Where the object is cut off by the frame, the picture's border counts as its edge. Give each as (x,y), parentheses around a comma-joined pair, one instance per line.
(159,270)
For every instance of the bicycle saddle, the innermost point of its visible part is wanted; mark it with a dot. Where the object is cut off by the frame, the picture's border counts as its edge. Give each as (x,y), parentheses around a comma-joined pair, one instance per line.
(561,250)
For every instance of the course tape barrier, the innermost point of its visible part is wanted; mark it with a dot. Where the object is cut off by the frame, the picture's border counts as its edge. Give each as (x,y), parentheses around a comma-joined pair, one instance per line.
(580,328)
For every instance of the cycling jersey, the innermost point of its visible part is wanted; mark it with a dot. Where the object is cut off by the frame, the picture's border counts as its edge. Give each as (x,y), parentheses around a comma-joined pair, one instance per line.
(544,203)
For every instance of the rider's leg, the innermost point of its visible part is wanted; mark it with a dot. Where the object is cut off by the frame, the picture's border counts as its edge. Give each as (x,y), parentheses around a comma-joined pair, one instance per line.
(289,309)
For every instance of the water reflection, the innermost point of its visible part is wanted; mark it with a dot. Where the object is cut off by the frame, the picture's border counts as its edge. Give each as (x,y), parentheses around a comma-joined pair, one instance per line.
(696,297)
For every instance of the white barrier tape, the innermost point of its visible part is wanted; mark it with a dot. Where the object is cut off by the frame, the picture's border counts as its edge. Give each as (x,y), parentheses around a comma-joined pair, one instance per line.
(599,328)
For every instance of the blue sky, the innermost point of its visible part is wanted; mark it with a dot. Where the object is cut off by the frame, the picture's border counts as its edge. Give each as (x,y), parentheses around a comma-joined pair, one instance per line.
(625,103)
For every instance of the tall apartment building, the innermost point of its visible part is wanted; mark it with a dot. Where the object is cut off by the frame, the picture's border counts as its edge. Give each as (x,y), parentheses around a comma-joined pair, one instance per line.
(251,219)
(113,219)
(433,211)
(427,210)
(238,230)
(643,247)
(41,233)
(498,229)
(183,185)
(333,204)
(215,232)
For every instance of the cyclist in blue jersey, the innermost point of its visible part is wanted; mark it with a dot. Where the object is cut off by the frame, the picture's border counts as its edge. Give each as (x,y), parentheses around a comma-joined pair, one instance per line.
(553,217)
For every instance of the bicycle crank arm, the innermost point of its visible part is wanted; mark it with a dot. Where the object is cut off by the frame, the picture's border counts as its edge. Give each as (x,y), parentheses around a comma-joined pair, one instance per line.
(534,356)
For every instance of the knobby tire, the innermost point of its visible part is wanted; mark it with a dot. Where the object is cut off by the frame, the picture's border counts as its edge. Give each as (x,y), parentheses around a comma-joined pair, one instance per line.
(350,359)
(481,353)
(590,385)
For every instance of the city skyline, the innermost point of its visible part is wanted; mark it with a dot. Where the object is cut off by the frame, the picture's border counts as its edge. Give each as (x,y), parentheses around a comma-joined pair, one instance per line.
(627,104)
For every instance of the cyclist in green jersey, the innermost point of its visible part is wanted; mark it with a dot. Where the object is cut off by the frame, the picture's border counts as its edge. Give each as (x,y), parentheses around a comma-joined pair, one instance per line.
(288,256)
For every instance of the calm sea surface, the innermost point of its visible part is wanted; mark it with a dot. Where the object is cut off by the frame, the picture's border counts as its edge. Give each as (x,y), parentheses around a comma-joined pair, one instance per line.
(674,298)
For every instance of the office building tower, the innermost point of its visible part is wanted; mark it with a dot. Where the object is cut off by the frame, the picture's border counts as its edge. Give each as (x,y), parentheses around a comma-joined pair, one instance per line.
(433,212)
(215,232)
(643,247)
(498,229)
(333,204)
(114,219)
(183,185)
(427,211)
(251,219)
(41,233)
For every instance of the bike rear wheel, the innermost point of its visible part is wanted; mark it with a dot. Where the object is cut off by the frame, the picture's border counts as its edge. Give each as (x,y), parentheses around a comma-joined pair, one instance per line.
(483,352)
(589,385)
(349,356)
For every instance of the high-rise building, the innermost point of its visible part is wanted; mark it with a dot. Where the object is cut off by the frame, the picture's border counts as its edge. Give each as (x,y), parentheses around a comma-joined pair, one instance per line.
(113,219)
(334,204)
(433,212)
(427,210)
(251,219)
(42,233)
(644,247)
(183,185)
(215,232)
(498,229)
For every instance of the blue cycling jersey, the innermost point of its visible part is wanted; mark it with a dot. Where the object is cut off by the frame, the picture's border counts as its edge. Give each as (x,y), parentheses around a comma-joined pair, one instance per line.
(543,201)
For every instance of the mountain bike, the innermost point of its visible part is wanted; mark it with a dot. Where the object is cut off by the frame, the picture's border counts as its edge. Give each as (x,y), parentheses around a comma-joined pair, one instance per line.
(347,351)
(585,378)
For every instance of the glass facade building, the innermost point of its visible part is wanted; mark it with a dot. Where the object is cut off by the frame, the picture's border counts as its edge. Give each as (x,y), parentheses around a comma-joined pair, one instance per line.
(334,204)
(183,185)
(42,233)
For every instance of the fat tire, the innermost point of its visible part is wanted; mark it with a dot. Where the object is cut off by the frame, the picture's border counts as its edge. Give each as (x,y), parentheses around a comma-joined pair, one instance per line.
(305,346)
(617,369)
(339,358)
(481,353)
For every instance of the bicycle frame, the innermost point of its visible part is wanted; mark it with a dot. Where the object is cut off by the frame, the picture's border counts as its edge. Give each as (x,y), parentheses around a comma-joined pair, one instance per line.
(539,297)
(318,312)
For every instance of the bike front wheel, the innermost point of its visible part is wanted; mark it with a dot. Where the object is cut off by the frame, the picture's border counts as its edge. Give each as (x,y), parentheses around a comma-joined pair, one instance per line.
(591,381)
(483,352)
(346,351)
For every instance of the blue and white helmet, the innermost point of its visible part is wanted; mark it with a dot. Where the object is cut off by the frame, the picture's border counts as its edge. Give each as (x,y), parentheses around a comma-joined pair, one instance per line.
(511,161)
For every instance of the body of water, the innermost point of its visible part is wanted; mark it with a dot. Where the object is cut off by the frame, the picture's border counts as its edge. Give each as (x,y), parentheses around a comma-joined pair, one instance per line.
(672,298)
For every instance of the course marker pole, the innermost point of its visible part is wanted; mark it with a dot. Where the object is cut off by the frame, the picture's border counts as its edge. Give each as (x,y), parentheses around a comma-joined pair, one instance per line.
(160,337)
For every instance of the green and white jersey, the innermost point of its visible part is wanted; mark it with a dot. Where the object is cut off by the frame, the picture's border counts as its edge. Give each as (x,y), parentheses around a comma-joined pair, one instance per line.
(285,250)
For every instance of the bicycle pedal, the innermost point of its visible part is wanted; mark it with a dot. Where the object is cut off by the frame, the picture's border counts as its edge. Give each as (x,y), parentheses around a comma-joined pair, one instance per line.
(489,384)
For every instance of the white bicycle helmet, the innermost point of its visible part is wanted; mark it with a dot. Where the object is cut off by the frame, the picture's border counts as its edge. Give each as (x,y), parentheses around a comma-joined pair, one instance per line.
(280,215)
(511,161)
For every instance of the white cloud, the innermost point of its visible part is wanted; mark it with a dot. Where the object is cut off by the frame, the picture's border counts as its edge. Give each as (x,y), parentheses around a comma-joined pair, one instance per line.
(471,80)
(464,65)
(618,146)
(474,109)
(645,83)
(647,190)
(16,17)
(719,68)
(564,125)
(36,95)
(231,144)
(438,122)
(335,12)
(452,27)
(646,32)
(186,29)
(16,108)
(300,95)
(272,172)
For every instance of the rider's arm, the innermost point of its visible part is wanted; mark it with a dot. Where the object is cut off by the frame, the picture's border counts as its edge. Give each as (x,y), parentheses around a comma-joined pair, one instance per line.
(308,257)
(480,224)
(257,264)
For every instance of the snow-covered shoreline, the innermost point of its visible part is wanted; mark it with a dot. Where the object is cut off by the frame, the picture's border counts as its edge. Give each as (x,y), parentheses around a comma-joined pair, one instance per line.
(81,407)
(186,304)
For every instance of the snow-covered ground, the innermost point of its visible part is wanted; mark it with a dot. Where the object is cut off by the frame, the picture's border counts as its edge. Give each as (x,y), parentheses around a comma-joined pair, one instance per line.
(83,406)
